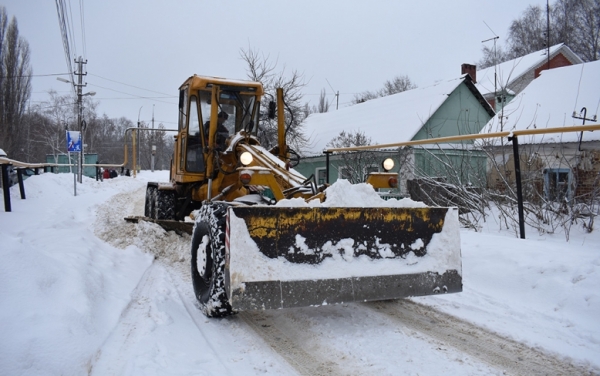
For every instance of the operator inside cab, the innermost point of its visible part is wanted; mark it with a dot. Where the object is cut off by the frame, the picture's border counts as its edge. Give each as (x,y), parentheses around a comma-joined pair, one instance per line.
(222,131)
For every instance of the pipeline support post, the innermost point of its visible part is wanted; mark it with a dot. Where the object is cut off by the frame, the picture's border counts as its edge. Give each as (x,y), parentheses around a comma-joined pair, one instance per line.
(5,188)
(515,143)
(327,152)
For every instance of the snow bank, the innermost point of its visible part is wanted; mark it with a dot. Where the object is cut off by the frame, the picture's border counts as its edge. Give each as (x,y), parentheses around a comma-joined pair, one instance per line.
(62,289)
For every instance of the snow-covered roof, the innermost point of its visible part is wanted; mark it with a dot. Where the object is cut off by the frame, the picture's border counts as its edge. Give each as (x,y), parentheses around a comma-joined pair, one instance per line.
(512,70)
(549,102)
(394,118)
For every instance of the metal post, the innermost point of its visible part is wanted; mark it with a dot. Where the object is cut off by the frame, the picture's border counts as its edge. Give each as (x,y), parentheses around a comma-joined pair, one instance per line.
(515,143)
(21,186)
(6,188)
(74,185)
(327,166)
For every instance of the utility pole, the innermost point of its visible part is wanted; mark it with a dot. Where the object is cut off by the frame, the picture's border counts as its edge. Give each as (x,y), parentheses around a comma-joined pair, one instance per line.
(79,73)
(337,95)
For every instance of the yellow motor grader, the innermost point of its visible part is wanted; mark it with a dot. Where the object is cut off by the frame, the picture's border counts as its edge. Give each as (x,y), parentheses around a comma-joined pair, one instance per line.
(252,251)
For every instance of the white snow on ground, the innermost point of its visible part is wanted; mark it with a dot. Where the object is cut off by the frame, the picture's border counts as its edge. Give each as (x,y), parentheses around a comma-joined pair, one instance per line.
(81,295)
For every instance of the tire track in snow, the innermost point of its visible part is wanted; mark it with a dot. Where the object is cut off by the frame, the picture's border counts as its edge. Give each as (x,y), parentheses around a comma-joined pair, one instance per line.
(510,356)
(302,361)
(196,315)
(114,354)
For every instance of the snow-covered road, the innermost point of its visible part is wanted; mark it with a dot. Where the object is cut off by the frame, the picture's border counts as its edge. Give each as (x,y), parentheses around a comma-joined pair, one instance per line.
(528,307)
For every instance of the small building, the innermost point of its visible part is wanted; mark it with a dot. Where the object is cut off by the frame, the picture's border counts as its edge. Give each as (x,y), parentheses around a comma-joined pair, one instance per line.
(499,84)
(63,159)
(554,167)
(446,108)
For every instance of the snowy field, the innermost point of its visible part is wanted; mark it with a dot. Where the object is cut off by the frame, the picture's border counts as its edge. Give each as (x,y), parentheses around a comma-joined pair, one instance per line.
(84,292)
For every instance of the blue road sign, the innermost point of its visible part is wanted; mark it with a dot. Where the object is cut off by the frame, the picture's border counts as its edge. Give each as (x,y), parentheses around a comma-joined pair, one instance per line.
(73,141)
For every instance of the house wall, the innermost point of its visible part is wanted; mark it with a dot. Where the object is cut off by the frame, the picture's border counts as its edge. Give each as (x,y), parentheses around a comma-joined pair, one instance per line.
(536,161)
(587,174)
(312,165)
(461,113)
(454,166)
(557,61)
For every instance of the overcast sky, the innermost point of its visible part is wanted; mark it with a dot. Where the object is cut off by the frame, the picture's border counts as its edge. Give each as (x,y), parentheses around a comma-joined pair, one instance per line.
(350,46)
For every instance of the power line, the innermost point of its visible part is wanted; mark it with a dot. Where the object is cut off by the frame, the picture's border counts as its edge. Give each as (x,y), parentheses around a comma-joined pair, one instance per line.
(62,24)
(133,95)
(82,28)
(137,87)
(37,75)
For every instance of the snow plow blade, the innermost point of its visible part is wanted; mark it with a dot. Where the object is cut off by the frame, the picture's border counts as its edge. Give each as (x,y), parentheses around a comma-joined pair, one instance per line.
(279,257)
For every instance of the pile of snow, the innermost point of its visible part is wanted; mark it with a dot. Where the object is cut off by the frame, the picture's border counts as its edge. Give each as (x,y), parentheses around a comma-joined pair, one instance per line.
(344,194)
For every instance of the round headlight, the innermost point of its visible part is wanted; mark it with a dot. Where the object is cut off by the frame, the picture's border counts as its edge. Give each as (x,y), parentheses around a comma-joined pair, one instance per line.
(388,164)
(246,158)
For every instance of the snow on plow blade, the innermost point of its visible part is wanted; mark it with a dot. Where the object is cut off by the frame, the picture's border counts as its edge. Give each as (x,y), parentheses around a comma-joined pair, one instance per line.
(279,257)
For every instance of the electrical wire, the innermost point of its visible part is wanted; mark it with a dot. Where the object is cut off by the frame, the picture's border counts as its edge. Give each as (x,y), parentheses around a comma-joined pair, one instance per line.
(37,75)
(578,88)
(71,30)
(136,87)
(62,24)
(81,15)
(133,95)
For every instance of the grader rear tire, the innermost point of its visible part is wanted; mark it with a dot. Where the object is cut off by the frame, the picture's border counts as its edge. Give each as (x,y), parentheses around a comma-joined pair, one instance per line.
(150,200)
(164,206)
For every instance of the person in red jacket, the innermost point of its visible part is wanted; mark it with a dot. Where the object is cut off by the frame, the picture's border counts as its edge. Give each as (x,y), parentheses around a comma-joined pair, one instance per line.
(106,174)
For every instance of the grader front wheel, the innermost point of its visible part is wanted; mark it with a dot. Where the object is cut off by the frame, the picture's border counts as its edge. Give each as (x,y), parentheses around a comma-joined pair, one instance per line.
(208,261)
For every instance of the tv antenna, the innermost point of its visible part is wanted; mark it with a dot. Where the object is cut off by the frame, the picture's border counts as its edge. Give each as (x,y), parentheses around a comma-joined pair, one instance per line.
(495,38)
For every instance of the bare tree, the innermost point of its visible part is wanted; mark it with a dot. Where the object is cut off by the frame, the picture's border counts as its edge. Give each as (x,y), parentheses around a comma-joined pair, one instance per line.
(323,105)
(356,164)
(577,23)
(528,33)
(261,68)
(573,22)
(396,85)
(492,56)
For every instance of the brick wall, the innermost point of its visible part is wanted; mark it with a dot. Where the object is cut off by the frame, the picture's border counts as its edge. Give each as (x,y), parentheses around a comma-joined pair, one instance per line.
(557,61)
(588,174)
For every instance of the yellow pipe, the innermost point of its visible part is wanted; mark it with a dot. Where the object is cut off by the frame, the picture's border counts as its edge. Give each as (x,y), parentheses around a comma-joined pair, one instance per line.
(440,140)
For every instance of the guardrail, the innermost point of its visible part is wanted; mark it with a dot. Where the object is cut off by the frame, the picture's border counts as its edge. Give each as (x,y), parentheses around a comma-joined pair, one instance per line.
(20,166)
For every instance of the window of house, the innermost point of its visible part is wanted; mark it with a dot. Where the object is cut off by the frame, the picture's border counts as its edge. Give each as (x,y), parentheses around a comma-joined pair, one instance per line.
(321,174)
(557,184)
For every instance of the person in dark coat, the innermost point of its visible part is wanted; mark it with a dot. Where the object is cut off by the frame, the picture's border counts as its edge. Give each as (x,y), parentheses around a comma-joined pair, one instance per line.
(113,173)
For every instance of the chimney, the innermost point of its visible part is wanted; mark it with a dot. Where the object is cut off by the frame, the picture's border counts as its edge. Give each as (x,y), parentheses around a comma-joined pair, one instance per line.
(471,70)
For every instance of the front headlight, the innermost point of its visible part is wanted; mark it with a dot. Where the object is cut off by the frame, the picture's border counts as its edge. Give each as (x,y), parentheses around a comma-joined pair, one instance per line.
(388,164)
(246,158)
